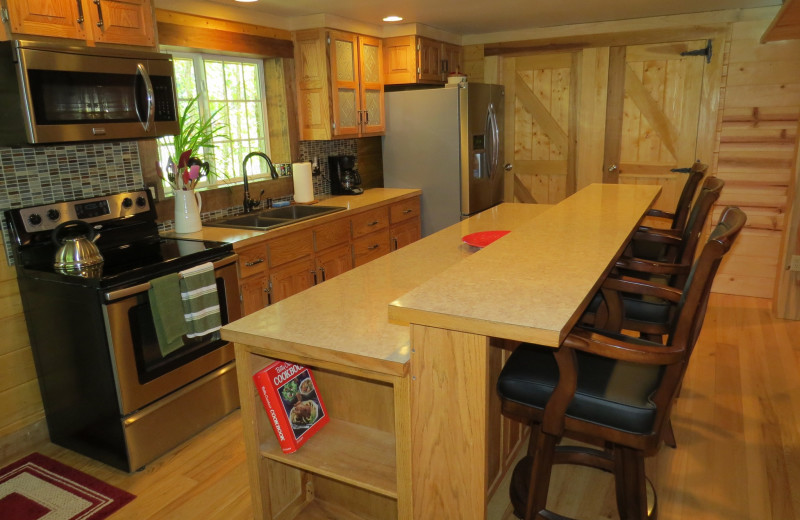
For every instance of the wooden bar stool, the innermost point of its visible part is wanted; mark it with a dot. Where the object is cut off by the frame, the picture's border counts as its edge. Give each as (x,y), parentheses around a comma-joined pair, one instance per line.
(609,390)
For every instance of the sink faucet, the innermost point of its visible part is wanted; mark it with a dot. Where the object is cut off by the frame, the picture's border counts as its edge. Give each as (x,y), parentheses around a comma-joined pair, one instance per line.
(250,204)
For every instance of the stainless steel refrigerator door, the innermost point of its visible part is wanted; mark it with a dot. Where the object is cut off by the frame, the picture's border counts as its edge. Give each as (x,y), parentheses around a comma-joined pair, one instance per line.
(423,148)
(482,171)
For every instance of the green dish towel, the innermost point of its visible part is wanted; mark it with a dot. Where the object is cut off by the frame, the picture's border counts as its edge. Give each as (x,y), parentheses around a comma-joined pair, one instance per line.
(167,310)
(200,300)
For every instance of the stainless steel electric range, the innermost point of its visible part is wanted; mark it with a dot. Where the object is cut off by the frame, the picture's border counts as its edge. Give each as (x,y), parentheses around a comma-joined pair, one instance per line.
(108,391)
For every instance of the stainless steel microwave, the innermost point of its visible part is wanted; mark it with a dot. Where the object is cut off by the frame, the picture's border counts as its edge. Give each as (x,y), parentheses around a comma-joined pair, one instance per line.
(57,94)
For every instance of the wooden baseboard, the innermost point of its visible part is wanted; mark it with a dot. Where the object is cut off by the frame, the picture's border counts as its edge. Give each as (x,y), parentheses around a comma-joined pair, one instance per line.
(23,441)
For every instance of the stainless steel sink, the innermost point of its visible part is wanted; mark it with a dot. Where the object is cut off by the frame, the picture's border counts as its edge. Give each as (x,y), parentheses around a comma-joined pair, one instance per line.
(273,218)
(299,212)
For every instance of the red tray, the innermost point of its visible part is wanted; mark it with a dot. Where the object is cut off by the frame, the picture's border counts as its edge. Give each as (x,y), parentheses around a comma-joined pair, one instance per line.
(483,238)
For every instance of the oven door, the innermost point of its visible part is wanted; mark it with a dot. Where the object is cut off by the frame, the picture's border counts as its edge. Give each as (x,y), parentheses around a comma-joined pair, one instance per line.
(142,374)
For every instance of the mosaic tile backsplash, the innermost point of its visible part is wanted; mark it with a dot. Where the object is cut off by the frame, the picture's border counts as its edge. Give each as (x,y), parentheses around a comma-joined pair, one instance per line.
(45,174)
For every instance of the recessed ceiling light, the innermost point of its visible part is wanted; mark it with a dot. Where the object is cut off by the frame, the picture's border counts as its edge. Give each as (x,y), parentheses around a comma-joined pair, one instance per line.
(246,1)
(393,19)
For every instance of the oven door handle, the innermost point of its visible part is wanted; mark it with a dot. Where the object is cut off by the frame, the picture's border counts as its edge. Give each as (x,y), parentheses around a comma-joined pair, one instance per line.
(144,287)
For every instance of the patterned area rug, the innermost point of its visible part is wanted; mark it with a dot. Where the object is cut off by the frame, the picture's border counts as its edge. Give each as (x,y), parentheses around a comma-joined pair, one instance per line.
(40,488)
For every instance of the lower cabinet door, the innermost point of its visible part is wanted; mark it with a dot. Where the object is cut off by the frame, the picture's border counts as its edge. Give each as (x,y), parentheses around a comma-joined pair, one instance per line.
(405,233)
(333,262)
(255,293)
(291,279)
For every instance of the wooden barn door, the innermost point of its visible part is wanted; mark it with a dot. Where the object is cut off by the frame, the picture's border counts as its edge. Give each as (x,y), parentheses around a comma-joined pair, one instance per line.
(539,127)
(654,98)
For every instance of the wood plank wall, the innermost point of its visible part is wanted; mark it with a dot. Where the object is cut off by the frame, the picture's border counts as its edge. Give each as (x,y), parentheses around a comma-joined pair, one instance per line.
(757,142)
(754,144)
(20,400)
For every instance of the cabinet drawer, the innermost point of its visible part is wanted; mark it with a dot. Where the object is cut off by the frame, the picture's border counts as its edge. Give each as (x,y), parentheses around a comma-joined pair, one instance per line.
(370,221)
(252,260)
(331,234)
(290,247)
(370,247)
(404,210)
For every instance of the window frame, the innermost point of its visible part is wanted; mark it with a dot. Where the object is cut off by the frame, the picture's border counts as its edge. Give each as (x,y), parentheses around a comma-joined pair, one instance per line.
(199,59)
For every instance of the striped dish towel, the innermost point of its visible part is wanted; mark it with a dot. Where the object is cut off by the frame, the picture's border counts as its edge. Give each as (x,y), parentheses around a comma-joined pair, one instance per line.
(200,300)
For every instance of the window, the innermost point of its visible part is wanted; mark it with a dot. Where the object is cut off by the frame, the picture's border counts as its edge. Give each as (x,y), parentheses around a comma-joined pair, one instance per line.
(232,88)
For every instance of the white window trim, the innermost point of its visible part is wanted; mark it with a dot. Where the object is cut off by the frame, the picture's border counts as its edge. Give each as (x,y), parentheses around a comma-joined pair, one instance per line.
(198,59)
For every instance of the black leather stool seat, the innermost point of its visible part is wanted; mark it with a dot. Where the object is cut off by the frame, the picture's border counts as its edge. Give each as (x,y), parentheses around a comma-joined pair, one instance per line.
(609,392)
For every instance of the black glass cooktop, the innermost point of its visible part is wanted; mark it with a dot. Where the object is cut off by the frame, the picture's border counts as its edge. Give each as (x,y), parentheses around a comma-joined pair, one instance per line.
(140,261)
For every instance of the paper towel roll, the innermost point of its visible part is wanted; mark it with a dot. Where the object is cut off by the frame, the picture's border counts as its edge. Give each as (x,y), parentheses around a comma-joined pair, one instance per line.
(303,187)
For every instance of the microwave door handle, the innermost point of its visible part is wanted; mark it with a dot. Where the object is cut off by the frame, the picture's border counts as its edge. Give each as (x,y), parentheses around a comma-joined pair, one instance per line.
(151,107)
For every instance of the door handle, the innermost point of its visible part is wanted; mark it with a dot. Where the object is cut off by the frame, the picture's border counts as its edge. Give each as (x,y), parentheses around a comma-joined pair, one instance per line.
(99,13)
(508,167)
(613,168)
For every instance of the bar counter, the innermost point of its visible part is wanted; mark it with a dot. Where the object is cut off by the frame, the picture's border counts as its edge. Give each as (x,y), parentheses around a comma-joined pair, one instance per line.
(415,430)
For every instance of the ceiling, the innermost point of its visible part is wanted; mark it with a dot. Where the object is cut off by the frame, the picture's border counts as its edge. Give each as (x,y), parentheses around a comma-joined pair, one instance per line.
(463,17)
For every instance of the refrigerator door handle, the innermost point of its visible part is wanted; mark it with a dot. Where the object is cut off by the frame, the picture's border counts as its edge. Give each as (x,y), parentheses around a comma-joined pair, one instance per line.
(494,131)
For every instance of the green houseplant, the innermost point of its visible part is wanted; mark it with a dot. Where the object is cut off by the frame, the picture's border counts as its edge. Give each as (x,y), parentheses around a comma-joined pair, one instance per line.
(184,167)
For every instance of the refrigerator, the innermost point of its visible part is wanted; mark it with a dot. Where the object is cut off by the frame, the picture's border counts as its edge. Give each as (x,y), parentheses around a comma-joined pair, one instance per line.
(448,142)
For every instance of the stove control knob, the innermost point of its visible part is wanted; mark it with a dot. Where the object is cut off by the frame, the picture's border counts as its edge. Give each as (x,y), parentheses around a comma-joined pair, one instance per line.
(53,214)
(127,202)
(141,201)
(35,219)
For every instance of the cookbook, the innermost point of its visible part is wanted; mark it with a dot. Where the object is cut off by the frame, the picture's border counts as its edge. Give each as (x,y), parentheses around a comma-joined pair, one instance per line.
(292,401)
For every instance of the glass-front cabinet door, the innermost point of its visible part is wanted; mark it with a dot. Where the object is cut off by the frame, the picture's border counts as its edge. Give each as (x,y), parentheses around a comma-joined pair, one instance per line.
(371,72)
(357,84)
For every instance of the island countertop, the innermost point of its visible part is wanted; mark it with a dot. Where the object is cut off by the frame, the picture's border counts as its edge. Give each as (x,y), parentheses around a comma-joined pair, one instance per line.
(345,320)
(535,286)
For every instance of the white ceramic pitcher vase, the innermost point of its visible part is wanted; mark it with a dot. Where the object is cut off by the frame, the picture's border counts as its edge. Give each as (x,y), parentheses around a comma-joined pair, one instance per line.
(187,211)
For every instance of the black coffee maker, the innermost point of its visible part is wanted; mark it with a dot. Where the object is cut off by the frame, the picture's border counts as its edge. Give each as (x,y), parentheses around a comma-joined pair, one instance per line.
(345,179)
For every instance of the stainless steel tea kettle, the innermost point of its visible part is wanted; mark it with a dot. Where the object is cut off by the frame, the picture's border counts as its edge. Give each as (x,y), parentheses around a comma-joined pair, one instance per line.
(76,251)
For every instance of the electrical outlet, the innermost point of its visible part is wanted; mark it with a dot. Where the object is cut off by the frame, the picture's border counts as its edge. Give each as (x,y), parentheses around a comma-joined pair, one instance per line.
(795,266)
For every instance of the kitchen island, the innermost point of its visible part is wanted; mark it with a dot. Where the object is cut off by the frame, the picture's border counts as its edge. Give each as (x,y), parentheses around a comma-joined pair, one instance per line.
(413,415)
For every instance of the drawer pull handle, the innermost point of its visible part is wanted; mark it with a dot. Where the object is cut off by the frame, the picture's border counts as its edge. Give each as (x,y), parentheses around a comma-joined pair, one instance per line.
(373,223)
(407,211)
(373,247)
(254,262)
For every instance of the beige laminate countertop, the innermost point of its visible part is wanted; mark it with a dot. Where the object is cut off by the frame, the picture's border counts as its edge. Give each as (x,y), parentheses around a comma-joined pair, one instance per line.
(534,284)
(345,320)
(371,198)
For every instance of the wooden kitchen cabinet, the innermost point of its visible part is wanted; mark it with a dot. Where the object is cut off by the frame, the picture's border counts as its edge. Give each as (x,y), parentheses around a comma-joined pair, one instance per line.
(404,234)
(253,280)
(404,218)
(254,293)
(291,279)
(452,59)
(332,252)
(339,84)
(417,59)
(333,262)
(128,22)
(280,267)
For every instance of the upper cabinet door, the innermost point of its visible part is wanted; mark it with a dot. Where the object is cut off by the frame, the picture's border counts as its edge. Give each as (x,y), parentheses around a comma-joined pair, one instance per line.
(343,48)
(371,73)
(60,19)
(122,21)
(654,105)
(430,60)
(128,22)
(313,99)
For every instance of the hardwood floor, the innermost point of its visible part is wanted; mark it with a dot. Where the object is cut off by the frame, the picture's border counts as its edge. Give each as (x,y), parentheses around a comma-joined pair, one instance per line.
(737,424)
